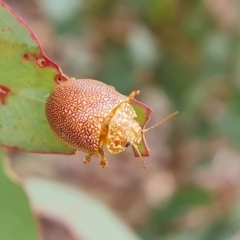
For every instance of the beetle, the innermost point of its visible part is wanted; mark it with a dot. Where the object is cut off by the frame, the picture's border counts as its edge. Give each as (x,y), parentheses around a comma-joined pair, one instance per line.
(89,115)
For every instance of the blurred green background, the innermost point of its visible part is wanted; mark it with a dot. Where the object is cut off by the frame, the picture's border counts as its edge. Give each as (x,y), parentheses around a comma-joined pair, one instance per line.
(182,55)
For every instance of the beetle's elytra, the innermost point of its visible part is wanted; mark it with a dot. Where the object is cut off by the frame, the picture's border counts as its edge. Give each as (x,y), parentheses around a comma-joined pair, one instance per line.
(89,115)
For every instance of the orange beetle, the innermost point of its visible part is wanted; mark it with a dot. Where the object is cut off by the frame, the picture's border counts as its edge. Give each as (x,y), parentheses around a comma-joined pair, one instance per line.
(89,115)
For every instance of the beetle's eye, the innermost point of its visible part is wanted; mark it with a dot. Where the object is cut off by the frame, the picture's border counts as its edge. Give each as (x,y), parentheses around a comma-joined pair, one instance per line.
(127,144)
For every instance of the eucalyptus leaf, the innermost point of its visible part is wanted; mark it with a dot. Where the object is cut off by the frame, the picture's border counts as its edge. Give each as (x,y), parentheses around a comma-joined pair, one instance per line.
(27,77)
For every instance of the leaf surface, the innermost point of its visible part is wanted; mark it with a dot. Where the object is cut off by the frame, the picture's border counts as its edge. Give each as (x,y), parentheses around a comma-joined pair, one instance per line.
(16,219)
(27,77)
(143,116)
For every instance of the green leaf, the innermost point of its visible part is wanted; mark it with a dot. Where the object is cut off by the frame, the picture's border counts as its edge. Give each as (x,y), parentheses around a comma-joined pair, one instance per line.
(143,116)
(27,77)
(16,219)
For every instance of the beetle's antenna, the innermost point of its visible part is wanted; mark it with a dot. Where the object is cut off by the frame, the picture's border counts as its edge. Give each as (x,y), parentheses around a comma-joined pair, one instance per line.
(164,120)
(141,158)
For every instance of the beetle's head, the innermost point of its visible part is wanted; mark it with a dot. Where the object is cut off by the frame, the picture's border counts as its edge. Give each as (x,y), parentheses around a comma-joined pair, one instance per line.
(124,130)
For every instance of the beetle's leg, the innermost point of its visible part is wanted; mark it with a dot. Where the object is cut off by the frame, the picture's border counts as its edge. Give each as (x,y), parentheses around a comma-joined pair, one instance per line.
(103,162)
(87,159)
(133,94)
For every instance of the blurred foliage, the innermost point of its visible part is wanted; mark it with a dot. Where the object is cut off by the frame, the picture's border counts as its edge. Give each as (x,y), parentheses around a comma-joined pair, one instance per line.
(167,220)
(85,217)
(190,52)
(16,219)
